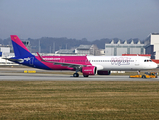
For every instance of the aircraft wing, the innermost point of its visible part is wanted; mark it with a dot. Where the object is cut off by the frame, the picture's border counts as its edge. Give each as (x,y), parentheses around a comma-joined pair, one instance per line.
(68,64)
(61,63)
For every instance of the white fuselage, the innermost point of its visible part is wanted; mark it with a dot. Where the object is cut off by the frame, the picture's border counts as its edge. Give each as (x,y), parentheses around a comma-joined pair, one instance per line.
(122,62)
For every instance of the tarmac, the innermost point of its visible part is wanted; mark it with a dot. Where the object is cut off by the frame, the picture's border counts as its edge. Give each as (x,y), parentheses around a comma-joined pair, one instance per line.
(17,74)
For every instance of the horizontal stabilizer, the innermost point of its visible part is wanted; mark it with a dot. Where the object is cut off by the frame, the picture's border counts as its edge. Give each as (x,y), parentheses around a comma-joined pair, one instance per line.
(13,60)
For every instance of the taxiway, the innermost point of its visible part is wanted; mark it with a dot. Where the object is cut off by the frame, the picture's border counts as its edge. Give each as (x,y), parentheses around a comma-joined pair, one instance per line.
(16,74)
(59,77)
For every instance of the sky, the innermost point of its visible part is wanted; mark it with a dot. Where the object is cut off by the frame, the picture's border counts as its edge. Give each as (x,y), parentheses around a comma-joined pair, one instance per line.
(90,19)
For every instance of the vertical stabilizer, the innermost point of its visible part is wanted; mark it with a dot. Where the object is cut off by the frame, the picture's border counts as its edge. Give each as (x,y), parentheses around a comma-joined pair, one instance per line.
(20,49)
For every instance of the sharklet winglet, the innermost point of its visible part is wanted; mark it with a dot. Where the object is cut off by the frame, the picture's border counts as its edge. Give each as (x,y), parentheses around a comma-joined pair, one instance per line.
(40,57)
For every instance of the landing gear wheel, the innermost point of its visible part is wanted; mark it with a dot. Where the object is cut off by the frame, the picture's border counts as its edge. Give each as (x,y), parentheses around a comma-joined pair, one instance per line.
(85,75)
(75,75)
(143,76)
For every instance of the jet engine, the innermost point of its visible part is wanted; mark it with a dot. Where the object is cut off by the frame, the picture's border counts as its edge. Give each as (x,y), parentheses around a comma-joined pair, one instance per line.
(89,70)
(101,72)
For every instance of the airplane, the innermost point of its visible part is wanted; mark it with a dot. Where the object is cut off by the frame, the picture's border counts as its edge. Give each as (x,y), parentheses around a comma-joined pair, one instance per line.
(88,65)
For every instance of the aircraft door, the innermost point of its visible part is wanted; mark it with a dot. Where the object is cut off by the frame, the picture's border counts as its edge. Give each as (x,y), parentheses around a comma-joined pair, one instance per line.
(137,62)
(31,61)
(62,60)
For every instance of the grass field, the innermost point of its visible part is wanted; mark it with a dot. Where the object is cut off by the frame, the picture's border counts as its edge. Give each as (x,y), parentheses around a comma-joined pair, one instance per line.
(79,100)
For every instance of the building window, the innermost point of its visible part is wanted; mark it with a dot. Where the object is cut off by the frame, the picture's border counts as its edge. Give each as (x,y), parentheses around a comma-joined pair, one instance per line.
(142,50)
(128,50)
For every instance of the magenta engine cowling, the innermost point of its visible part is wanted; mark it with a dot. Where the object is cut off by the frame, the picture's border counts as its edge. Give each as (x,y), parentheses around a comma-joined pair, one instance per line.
(89,70)
(101,72)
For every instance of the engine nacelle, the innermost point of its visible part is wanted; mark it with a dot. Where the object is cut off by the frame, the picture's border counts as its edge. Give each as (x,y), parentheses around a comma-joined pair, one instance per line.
(89,70)
(101,72)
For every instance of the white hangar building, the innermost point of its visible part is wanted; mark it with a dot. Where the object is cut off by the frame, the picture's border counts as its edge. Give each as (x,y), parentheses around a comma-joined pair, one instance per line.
(152,45)
(119,48)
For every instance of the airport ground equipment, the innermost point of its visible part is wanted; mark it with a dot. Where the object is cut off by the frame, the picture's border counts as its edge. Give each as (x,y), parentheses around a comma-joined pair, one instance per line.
(146,75)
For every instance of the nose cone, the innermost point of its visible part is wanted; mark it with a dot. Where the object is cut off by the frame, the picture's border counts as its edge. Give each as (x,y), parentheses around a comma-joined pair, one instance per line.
(155,65)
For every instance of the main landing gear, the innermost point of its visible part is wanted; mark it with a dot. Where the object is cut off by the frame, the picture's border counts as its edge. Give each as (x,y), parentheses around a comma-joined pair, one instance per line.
(85,75)
(77,75)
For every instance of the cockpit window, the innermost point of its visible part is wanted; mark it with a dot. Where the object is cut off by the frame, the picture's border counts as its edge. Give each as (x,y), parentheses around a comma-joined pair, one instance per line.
(147,60)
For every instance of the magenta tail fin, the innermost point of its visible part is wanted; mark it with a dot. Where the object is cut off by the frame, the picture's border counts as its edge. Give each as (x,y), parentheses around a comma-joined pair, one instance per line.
(19,48)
